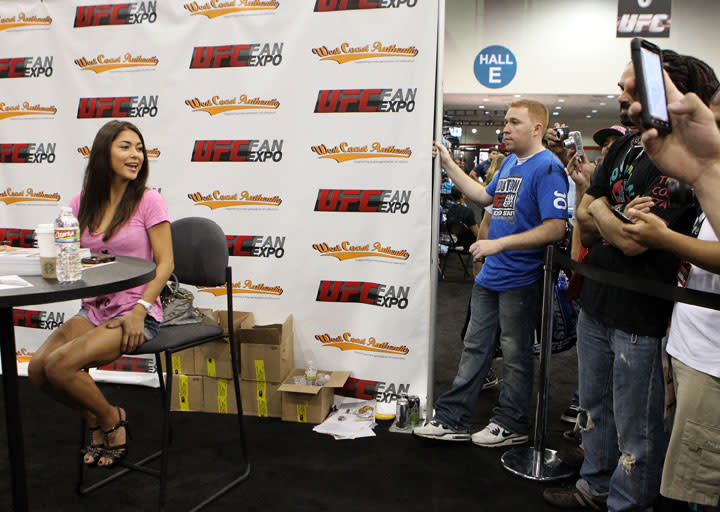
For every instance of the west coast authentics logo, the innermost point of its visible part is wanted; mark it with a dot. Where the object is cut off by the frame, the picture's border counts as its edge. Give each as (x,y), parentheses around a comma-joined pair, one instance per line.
(346,151)
(218,8)
(347,52)
(103,63)
(366,201)
(236,55)
(246,150)
(233,104)
(133,13)
(119,106)
(247,288)
(18,237)
(334,101)
(153,153)
(245,200)
(26,109)
(350,251)
(349,5)
(24,20)
(27,152)
(11,196)
(258,246)
(347,341)
(374,294)
(26,67)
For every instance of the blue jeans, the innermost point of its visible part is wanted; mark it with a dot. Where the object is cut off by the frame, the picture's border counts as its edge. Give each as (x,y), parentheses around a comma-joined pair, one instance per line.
(515,312)
(622,401)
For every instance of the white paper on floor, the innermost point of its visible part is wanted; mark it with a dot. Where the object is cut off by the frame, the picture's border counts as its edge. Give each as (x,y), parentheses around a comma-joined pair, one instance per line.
(351,419)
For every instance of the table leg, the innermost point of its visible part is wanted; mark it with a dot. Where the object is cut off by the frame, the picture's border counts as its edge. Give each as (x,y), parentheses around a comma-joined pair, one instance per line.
(12,411)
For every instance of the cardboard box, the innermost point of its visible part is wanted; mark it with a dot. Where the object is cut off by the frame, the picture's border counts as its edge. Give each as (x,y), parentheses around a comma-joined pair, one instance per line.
(266,351)
(219,395)
(211,316)
(261,399)
(241,320)
(187,393)
(183,362)
(309,404)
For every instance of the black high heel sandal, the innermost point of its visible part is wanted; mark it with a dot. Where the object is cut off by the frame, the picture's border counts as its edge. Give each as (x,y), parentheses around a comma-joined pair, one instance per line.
(118,452)
(94,450)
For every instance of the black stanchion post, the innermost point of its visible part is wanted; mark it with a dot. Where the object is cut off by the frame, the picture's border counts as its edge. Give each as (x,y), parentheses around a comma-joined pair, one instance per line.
(538,462)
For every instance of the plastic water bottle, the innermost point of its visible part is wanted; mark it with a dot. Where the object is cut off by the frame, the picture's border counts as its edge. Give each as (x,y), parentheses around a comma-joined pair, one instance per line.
(67,241)
(310,374)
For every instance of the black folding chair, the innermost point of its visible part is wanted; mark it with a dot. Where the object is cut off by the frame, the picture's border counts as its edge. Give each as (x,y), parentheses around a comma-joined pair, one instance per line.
(459,236)
(201,259)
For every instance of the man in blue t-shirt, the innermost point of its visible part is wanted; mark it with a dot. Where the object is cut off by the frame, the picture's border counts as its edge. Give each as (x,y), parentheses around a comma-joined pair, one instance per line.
(529,199)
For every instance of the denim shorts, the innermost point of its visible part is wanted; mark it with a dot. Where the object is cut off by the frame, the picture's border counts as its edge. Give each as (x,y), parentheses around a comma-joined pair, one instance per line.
(151,325)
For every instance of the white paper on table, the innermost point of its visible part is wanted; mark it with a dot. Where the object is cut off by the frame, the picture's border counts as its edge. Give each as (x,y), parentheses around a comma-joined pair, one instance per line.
(10,282)
(351,420)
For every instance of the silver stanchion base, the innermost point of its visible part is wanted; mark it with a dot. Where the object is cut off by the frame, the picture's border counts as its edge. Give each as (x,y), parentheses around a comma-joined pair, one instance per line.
(520,461)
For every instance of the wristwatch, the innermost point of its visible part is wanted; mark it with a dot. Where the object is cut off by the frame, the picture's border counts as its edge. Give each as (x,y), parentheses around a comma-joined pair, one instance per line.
(148,307)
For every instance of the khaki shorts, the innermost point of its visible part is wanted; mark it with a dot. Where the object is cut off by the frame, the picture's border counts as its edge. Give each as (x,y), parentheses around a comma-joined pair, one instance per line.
(692,465)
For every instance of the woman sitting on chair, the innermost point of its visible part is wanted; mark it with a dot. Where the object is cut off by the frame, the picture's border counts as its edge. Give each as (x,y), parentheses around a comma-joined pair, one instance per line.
(117,215)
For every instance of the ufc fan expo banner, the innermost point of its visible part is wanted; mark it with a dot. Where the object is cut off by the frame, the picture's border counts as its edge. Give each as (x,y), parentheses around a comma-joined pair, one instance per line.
(302,127)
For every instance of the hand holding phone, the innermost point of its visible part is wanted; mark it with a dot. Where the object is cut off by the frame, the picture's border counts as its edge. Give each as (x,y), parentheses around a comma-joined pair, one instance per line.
(620,215)
(650,85)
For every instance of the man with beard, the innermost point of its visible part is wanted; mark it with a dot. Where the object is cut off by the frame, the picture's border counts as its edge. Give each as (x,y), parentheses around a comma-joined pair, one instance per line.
(619,331)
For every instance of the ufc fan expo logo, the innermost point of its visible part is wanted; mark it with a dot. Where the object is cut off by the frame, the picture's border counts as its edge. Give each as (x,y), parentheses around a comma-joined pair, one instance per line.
(18,237)
(247,200)
(36,319)
(27,110)
(346,151)
(256,246)
(247,150)
(347,341)
(247,288)
(29,196)
(340,101)
(131,13)
(364,201)
(368,251)
(152,153)
(350,5)
(118,107)
(374,294)
(24,21)
(126,61)
(242,103)
(237,56)
(26,67)
(218,8)
(27,152)
(347,52)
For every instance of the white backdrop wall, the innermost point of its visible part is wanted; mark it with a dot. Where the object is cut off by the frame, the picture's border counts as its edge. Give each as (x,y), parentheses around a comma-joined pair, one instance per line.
(303,196)
(562,46)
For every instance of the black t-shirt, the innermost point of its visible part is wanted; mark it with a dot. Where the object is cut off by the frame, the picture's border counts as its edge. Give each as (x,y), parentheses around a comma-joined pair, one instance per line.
(458,212)
(624,174)
(481,169)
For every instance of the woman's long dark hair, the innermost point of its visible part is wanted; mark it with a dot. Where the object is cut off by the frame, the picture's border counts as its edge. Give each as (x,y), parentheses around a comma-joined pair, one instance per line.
(98,178)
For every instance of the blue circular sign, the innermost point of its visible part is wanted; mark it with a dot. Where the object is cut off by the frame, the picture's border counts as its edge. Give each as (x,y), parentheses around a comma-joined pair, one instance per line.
(495,66)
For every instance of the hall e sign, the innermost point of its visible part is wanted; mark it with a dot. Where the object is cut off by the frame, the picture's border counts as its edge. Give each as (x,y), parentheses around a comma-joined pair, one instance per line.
(495,66)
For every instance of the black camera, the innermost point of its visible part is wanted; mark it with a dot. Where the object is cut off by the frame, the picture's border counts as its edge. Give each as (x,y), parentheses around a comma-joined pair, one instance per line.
(679,193)
(562,132)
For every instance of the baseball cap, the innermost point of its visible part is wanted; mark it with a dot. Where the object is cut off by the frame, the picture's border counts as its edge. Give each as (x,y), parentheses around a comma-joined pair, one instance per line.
(603,133)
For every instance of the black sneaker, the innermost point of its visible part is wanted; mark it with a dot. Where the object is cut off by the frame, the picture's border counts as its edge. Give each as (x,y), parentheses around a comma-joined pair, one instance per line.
(491,380)
(571,413)
(571,497)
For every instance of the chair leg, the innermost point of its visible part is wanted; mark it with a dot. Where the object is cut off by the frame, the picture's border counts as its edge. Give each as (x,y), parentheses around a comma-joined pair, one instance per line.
(81,462)
(165,431)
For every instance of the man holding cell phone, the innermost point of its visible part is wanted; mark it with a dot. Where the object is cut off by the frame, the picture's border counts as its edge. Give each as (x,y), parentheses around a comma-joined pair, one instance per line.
(619,332)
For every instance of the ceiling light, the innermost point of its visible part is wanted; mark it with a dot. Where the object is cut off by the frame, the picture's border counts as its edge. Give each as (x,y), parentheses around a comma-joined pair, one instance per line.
(556,113)
(487,113)
(558,108)
(518,95)
(474,130)
(611,95)
(486,99)
(560,100)
(481,106)
(594,111)
(588,116)
(497,132)
(602,103)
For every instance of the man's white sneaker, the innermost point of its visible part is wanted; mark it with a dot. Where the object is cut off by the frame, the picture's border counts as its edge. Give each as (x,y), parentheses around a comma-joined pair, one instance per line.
(495,435)
(436,430)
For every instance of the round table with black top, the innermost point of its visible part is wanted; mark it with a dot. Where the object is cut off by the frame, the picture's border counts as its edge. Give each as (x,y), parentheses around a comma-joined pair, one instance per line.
(124,273)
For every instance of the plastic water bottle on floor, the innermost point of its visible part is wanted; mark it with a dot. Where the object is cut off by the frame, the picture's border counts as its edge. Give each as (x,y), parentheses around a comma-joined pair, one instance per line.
(67,241)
